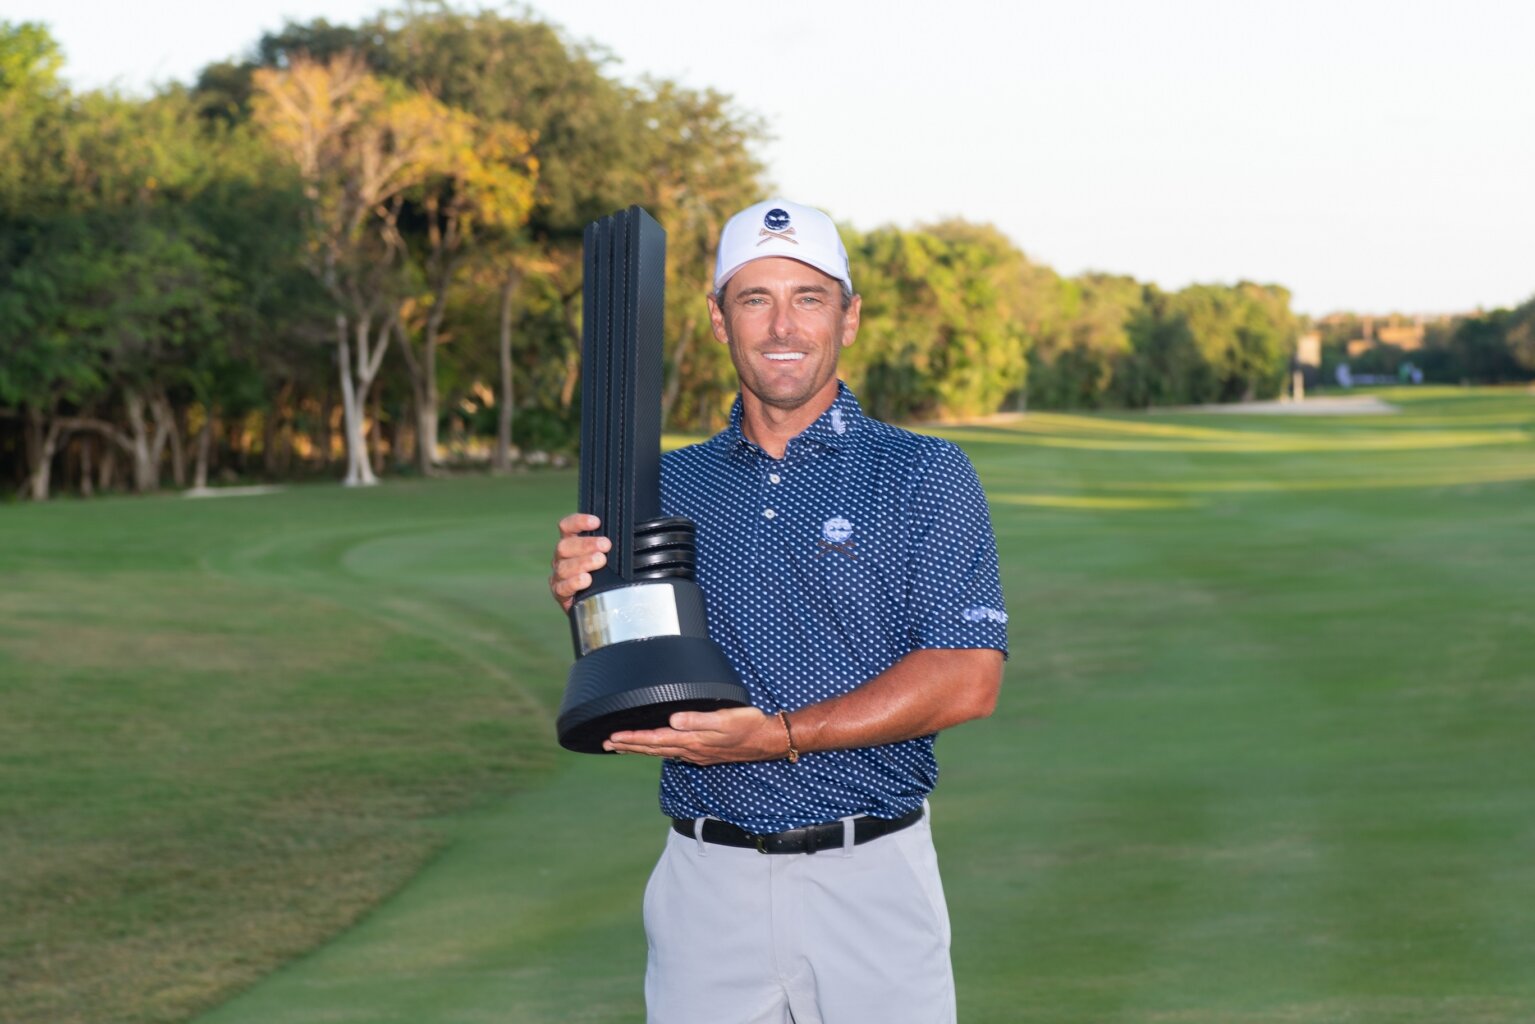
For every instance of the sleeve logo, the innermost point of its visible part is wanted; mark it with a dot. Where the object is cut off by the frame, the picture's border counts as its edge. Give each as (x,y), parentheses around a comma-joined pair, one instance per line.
(983,615)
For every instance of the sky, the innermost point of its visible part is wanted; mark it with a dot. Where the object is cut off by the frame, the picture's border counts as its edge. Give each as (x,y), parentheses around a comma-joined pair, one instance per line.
(1369,155)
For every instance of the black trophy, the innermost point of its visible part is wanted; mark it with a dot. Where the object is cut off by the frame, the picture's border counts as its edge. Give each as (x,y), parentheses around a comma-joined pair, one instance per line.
(642,644)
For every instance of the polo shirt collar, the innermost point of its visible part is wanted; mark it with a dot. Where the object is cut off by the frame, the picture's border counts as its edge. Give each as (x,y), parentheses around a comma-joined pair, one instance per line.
(837,428)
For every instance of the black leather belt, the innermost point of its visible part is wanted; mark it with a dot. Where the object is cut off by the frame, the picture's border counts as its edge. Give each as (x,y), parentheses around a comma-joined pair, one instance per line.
(796,840)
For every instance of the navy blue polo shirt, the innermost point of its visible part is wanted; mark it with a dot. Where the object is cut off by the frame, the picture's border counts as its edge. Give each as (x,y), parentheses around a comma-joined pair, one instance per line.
(820,570)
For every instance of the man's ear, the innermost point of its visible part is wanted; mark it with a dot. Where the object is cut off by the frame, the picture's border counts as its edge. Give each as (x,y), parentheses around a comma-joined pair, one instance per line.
(850,320)
(717,321)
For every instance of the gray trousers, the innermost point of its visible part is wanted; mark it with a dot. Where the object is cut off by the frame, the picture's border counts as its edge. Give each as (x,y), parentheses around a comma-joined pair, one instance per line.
(842,936)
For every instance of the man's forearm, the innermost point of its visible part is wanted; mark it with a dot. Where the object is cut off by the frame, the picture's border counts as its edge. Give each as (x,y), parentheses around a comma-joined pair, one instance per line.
(925,692)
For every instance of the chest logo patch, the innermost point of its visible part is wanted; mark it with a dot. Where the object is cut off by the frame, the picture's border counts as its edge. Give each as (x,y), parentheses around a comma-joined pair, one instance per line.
(836,535)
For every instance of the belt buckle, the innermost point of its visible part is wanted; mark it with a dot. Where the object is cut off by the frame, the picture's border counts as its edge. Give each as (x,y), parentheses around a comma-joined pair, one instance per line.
(761,842)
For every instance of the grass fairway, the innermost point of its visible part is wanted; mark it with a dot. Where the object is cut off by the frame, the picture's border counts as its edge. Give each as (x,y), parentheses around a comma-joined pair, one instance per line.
(1266,751)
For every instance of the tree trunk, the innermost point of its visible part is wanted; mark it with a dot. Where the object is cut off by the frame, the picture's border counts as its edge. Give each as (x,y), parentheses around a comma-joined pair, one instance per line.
(572,354)
(204,445)
(42,439)
(674,385)
(572,377)
(376,436)
(106,476)
(501,459)
(87,450)
(423,392)
(166,429)
(426,415)
(272,431)
(145,477)
(399,443)
(355,384)
(358,473)
(319,428)
(234,439)
(426,410)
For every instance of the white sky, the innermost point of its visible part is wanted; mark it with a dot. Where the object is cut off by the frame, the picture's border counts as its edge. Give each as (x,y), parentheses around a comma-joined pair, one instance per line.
(1369,154)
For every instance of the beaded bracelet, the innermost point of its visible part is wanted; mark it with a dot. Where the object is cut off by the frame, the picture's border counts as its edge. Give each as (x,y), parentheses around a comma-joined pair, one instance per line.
(793,755)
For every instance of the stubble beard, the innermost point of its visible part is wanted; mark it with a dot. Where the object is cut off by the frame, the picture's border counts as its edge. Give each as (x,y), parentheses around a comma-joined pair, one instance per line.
(757,386)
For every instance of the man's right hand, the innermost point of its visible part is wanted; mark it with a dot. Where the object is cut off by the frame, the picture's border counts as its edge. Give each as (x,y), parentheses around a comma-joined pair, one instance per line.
(576,557)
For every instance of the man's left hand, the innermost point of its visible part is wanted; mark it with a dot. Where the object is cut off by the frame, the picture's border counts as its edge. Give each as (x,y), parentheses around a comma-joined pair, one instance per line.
(708,737)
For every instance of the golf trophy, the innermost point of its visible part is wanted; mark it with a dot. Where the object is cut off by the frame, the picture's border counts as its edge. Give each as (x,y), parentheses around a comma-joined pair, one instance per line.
(642,643)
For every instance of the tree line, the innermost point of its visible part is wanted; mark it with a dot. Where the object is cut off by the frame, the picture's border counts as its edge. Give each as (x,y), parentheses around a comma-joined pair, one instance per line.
(357,251)
(1484,347)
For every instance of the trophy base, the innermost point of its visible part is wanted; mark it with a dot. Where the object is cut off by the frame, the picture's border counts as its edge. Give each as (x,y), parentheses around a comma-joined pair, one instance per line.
(640,684)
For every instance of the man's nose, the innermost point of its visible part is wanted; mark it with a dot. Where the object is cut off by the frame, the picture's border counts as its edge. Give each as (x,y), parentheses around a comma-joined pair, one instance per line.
(783,320)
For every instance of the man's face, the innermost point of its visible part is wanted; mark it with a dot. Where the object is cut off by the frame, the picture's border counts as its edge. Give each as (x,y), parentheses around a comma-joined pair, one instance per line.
(785,326)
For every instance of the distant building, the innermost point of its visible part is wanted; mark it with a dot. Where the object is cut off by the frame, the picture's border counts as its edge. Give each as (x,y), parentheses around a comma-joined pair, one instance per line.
(1404,333)
(1407,337)
(1308,349)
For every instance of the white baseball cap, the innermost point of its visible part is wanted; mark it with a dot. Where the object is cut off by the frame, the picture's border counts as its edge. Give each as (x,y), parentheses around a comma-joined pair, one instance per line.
(777,227)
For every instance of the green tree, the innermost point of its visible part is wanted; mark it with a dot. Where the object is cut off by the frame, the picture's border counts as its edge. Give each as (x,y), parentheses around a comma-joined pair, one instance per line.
(104,274)
(360,145)
(265,363)
(1074,365)
(1521,337)
(694,170)
(31,101)
(584,137)
(481,186)
(1479,349)
(109,301)
(598,146)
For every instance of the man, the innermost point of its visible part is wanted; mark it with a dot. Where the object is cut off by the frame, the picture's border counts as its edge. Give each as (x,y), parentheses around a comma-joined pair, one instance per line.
(850,575)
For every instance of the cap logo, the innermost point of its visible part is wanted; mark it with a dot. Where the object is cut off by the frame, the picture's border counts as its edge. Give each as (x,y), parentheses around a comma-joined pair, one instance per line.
(776,225)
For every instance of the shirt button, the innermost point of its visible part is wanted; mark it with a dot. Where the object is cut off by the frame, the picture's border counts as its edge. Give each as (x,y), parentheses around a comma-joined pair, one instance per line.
(774,478)
(769,513)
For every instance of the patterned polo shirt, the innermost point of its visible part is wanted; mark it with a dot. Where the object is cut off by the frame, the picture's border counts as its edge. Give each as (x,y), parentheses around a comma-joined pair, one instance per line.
(820,570)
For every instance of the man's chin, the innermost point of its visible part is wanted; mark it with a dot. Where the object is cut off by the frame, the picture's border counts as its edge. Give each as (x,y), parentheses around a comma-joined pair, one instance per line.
(784,402)
(788,394)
